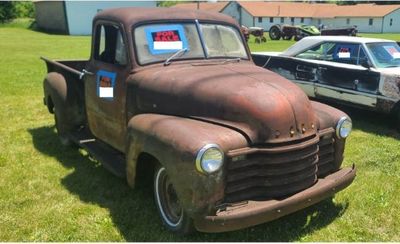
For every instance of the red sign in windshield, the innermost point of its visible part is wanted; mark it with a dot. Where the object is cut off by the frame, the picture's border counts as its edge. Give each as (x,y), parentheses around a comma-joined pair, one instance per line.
(166,36)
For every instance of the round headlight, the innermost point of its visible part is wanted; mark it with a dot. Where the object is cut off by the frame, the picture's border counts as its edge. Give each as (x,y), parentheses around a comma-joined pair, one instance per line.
(343,127)
(209,159)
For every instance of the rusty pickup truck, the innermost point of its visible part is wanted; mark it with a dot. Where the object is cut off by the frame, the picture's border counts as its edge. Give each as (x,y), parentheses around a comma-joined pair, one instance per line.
(229,144)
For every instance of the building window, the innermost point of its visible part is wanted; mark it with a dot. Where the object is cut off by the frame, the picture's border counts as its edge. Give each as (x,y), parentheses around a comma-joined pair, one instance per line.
(259,19)
(302,20)
(282,20)
(319,21)
(348,21)
(292,20)
(391,22)
(271,19)
(371,21)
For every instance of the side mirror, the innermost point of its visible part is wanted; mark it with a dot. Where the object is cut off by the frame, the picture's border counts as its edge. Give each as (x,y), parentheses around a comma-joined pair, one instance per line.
(366,63)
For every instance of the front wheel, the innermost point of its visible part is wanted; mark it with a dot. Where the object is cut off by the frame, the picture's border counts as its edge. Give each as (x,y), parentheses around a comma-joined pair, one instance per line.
(171,212)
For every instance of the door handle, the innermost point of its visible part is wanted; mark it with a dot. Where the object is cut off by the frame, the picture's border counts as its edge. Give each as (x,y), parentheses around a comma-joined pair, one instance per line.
(85,72)
(322,68)
(303,68)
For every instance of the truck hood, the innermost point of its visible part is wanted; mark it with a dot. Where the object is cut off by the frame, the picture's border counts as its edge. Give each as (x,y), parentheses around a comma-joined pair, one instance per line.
(263,106)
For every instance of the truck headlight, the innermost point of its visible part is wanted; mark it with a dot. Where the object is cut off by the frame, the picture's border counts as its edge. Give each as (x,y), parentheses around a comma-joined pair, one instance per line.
(343,127)
(209,159)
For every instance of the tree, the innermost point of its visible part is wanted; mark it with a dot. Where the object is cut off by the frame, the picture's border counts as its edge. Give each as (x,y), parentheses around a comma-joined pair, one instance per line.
(7,11)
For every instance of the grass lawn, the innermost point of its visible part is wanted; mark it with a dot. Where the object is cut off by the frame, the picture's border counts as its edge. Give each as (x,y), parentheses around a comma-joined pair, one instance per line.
(50,193)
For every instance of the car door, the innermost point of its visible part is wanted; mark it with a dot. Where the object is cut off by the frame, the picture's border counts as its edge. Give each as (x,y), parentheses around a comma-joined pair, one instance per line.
(343,77)
(105,87)
(301,72)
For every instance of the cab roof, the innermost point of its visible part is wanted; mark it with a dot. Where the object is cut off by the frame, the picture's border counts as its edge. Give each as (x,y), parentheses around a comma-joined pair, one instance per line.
(131,16)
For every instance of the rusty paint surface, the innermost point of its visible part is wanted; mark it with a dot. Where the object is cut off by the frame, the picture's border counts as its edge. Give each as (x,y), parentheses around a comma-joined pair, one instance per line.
(259,120)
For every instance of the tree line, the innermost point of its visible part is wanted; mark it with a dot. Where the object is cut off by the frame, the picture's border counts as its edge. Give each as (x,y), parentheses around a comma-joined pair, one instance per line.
(10,10)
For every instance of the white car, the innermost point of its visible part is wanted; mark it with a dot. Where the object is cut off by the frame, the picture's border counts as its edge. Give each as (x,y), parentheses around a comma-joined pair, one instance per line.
(364,72)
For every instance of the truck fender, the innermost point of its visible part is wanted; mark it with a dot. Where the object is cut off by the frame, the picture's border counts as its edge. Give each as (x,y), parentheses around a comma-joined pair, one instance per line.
(174,142)
(63,97)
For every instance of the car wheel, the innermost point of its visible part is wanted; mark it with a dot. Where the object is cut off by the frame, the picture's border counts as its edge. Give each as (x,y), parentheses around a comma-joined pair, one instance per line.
(275,33)
(171,212)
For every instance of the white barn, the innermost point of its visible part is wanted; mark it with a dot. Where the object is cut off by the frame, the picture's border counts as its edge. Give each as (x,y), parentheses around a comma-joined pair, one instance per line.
(367,17)
(75,17)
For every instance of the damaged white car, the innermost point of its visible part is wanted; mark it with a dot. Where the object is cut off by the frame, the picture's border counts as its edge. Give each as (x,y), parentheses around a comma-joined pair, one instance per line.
(362,72)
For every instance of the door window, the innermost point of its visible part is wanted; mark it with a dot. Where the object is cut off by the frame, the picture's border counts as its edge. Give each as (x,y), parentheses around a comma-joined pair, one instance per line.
(346,53)
(110,45)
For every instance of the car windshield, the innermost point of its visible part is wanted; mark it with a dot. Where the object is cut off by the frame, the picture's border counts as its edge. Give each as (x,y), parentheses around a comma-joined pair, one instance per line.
(385,54)
(158,42)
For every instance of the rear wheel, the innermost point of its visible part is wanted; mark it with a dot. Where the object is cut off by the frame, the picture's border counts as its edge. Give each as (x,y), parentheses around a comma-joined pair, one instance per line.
(62,130)
(275,33)
(171,212)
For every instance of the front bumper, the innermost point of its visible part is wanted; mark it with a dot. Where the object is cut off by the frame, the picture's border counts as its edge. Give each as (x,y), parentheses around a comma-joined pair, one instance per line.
(257,212)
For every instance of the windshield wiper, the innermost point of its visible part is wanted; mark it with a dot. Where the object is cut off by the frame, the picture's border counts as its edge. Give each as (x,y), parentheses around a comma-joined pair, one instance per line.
(179,52)
(233,60)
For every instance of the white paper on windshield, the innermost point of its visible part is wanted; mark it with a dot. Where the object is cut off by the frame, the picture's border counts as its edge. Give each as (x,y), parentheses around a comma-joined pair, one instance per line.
(392,51)
(344,55)
(168,45)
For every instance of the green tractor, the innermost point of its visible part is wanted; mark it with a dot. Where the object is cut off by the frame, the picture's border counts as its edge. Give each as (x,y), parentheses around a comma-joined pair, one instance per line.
(287,32)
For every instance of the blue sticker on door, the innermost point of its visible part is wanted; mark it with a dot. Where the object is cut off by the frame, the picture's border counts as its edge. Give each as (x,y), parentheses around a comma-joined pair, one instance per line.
(105,84)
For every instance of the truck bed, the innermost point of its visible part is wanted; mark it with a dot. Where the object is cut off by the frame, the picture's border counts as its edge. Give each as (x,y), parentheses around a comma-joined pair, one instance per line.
(66,67)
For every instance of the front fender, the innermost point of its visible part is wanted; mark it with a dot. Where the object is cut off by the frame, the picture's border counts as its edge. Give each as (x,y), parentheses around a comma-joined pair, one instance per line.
(174,142)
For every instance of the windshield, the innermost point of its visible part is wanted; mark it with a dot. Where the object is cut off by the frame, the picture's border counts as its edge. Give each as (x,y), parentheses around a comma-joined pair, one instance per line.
(158,42)
(385,54)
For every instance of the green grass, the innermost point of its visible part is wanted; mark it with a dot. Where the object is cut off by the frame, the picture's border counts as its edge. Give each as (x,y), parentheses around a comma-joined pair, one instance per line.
(49,193)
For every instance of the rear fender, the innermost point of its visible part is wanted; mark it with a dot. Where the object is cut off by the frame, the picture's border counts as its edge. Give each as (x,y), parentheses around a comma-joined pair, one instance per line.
(175,142)
(65,97)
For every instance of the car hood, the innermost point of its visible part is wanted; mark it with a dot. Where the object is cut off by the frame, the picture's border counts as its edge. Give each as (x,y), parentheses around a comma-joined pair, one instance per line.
(263,106)
(390,71)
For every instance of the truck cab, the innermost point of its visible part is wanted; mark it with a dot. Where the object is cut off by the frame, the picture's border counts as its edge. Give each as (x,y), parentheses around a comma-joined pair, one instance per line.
(229,144)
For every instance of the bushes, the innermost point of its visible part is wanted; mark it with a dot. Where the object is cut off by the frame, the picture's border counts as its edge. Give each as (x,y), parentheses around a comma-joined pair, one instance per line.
(7,11)
(10,10)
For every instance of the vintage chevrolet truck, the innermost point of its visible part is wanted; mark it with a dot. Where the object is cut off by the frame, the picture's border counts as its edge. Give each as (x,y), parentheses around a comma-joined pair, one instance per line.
(229,144)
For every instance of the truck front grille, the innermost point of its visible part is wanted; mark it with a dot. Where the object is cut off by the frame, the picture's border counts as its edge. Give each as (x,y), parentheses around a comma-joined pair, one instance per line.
(326,155)
(274,172)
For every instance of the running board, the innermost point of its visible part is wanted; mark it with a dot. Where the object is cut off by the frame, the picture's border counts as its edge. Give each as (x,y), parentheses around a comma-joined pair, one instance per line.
(111,159)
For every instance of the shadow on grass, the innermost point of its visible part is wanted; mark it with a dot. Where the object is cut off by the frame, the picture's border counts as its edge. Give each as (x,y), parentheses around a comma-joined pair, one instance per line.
(133,211)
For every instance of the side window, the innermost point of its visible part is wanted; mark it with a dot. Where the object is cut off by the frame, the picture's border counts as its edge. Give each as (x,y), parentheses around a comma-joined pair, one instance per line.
(319,52)
(347,53)
(110,46)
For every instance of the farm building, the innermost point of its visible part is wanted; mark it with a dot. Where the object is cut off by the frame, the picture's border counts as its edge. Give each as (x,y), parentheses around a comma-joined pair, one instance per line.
(367,17)
(75,17)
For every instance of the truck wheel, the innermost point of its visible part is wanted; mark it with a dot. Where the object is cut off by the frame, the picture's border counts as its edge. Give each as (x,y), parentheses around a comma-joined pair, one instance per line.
(172,214)
(61,129)
(275,33)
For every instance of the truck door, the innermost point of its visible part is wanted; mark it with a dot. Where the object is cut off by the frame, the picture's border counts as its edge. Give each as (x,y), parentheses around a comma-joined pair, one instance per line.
(105,88)
(344,78)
